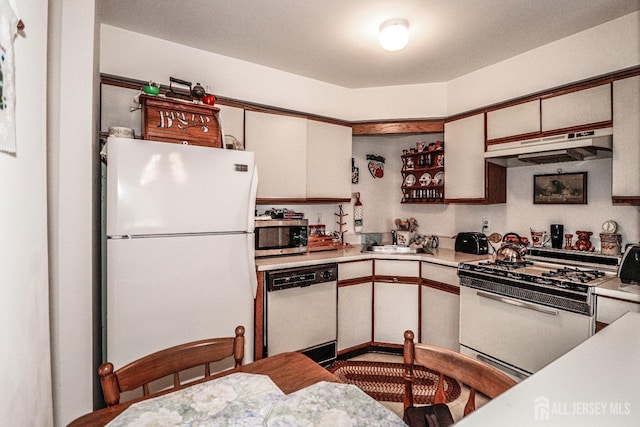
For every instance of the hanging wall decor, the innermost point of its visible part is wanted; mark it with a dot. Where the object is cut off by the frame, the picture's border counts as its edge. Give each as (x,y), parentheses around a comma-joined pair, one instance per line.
(376,165)
(355,172)
(9,25)
(560,188)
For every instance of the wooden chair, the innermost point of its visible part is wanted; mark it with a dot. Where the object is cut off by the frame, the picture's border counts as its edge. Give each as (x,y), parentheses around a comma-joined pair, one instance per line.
(476,375)
(167,362)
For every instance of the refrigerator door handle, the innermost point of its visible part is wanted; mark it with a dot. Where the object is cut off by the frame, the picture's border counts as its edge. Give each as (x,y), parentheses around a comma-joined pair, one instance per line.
(251,261)
(253,192)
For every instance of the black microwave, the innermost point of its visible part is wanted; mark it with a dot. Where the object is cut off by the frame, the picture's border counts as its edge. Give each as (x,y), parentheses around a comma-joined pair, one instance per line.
(281,237)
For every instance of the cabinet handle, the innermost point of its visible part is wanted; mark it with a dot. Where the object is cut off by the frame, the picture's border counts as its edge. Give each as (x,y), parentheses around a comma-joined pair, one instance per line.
(518,303)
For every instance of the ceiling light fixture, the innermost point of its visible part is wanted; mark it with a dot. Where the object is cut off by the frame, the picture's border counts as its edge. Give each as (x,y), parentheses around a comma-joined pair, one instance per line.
(394,34)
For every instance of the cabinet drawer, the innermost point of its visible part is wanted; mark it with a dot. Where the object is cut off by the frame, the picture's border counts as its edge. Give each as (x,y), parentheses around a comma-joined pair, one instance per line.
(397,268)
(609,310)
(354,270)
(440,273)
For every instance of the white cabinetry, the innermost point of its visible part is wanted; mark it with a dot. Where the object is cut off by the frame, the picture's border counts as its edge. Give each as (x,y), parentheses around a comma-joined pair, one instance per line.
(355,301)
(280,146)
(396,300)
(232,122)
(520,119)
(328,160)
(464,162)
(626,141)
(608,310)
(579,108)
(440,321)
(299,158)
(467,177)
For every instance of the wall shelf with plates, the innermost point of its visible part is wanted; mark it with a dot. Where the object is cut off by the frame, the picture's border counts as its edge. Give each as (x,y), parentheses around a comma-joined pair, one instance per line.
(423,173)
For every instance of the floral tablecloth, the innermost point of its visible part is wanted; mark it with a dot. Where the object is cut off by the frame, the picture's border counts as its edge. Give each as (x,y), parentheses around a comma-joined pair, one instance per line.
(251,400)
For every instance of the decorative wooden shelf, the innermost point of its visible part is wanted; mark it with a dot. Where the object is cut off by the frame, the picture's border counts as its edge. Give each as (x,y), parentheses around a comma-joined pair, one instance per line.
(418,163)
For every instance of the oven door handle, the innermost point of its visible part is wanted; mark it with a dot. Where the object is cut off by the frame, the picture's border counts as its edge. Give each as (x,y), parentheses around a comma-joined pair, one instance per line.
(518,303)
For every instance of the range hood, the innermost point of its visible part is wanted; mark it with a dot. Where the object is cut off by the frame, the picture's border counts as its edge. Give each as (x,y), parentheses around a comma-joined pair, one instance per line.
(568,147)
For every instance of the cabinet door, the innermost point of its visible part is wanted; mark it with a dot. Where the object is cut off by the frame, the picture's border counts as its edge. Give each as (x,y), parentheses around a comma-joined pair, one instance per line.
(464,166)
(354,315)
(328,160)
(232,122)
(583,107)
(395,311)
(626,139)
(280,146)
(440,302)
(520,119)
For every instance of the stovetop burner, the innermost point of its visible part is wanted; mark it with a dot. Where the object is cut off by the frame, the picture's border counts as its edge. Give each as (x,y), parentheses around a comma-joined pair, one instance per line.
(574,274)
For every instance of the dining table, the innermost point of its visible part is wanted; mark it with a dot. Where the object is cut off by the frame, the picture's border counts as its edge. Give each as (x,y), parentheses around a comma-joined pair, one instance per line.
(284,389)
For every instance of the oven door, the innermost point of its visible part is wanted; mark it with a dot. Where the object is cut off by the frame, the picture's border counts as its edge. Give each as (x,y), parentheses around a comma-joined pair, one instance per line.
(522,335)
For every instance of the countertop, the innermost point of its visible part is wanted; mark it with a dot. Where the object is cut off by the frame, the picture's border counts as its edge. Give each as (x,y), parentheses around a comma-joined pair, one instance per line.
(614,288)
(595,384)
(443,256)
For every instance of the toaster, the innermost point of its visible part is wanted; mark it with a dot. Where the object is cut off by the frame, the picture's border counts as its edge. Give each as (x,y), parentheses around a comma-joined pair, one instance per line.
(629,270)
(472,243)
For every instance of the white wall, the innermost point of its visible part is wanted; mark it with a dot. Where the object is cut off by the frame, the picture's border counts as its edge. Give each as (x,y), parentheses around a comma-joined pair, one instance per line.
(25,377)
(129,54)
(72,156)
(609,47)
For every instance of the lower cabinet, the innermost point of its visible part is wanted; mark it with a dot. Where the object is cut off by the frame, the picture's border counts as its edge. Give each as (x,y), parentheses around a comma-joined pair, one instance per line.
(396,300)
(355,301)
(395,310)
(354,315)
(440,306)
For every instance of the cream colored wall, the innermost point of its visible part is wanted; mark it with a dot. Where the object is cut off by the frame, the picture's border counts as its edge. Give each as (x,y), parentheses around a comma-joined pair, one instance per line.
(25,377)
(129,54)
(609,47)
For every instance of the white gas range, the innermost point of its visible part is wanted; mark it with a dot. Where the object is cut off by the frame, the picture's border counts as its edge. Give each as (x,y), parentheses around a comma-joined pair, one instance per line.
(522,316)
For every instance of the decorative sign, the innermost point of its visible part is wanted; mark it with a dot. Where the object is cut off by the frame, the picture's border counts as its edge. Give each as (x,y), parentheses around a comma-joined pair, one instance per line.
(376,165)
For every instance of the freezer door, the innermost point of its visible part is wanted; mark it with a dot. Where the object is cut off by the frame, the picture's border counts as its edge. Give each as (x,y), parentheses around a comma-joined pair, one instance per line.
(164,291)
(163,188)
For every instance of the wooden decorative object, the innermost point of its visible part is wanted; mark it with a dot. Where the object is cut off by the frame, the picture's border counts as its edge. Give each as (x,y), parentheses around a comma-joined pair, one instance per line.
(180,122)
(321,243)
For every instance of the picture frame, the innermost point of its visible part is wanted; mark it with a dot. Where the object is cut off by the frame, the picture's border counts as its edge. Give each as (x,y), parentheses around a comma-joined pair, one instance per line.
(560,189)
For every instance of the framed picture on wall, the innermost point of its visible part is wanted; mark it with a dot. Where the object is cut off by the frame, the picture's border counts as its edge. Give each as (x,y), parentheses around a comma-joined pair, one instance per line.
(560,188)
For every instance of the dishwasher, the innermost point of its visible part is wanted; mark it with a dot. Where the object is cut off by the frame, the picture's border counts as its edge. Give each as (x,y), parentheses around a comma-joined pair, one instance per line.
(301,312)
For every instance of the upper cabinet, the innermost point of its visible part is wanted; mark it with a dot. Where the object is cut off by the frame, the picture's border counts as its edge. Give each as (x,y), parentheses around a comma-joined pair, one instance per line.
(299,160)
(468,178)
(516,120)
(584,107)
(328,160)
(232,122)
(626,141)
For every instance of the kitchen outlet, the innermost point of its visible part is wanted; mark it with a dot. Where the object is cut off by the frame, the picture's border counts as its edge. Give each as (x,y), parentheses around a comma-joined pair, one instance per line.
(485,224)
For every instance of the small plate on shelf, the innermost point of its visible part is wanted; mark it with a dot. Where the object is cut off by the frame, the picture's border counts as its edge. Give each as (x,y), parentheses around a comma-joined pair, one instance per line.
(425,179)
(438,179)
(410,180)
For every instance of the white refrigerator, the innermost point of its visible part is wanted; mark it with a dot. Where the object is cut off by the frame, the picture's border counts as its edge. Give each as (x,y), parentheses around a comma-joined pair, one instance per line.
(180,246)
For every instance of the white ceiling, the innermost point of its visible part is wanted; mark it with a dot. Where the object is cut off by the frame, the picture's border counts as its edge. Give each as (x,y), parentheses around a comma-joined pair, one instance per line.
(335,41)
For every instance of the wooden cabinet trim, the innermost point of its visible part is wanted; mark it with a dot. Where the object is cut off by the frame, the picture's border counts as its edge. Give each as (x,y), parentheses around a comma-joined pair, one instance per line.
(401,280)
(398,127)
(259,318)
(625,200)
(441,286)
(356,281)
(407,126)
(283,201)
